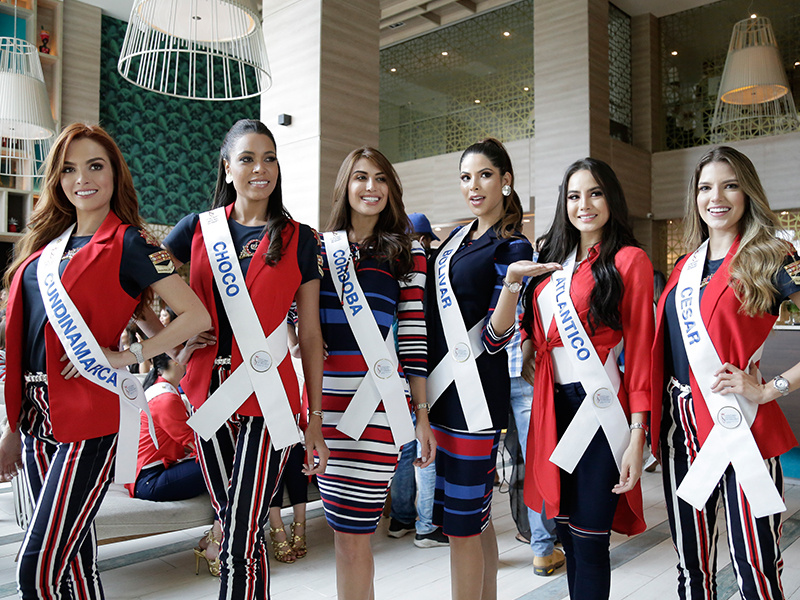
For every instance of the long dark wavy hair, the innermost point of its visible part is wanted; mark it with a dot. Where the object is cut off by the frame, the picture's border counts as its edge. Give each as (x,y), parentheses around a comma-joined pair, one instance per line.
(563,237)
(160,364)
(493,149)
(277,216)
(390,240)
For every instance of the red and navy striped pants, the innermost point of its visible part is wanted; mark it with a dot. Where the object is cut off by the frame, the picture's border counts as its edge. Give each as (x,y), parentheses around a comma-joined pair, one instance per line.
(257,466)
(753,543)
(68,481)
(215,455)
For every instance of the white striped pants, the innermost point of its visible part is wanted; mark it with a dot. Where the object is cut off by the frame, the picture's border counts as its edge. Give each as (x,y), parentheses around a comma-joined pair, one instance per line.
(753,543)
(68,481)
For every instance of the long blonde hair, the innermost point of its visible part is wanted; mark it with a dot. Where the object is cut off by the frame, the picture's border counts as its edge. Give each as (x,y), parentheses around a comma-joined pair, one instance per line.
(54,212)
(761,253)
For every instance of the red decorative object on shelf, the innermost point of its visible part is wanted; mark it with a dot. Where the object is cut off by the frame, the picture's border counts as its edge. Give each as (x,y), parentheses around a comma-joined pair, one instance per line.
(45,36)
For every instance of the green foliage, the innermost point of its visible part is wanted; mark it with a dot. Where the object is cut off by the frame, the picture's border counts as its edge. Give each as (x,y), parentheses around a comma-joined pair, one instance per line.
(171,144)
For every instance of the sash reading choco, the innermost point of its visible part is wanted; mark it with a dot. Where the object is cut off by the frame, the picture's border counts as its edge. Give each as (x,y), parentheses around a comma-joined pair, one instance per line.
(261,354)
(458,365)
(382,382)
(87,356)
(601,406)
(730,440)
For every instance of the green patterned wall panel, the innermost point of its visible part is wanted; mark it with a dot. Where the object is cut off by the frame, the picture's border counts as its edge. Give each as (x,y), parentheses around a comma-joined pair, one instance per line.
(171,145)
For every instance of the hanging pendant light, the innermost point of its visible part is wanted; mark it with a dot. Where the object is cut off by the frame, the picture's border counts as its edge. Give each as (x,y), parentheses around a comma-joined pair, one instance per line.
(26,121)
(196,49)
(754,96)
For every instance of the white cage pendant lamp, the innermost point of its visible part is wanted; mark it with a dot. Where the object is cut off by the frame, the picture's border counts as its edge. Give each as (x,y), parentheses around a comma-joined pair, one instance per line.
(754,95)
(196,49)
(26,121)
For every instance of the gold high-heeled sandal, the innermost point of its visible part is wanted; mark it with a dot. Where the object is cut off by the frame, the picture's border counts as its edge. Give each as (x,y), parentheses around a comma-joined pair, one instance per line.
(299,541)
(281,548)
(213,564)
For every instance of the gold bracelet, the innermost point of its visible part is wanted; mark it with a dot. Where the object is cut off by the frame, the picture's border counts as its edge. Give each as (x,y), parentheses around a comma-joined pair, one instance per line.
(422,405)
(318,413)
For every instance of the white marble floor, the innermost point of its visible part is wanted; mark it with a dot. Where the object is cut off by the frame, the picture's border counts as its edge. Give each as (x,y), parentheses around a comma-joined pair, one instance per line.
(162,567)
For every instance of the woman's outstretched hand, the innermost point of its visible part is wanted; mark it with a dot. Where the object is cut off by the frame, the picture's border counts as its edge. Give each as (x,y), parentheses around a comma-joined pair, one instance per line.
(528,268)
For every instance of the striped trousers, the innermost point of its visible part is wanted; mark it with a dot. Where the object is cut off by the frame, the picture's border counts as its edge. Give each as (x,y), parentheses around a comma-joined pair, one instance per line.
(753,543)
(68,481)
(215,455)
(241,470)
(257,466)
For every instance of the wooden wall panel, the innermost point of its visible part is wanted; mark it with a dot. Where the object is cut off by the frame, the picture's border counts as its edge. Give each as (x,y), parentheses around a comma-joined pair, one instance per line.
(431,185)
(561,83)
(646,82)
(325,75)
(776,159)
(80,91)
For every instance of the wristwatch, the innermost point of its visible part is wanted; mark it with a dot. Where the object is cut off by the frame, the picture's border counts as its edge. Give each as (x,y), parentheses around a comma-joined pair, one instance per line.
(136,350)
(514,287)
(781,384)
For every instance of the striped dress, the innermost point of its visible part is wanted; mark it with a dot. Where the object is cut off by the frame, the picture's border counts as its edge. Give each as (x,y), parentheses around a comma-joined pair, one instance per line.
(355,483)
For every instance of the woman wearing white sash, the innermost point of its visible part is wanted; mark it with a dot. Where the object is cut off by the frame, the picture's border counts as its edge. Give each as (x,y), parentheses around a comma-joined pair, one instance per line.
(738,276)
(107,273)
(470,272)
(607,282)
(265,260)
(170,471)
(382,280)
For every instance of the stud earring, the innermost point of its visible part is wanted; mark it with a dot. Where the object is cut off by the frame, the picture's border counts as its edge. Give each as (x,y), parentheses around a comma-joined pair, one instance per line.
(506,190)
(228,178)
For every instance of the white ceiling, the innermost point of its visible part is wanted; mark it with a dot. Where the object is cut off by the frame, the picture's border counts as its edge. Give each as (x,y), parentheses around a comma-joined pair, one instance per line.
(419,16)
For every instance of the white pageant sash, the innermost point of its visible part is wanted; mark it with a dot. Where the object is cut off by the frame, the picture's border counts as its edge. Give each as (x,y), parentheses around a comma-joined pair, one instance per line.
(730,440)
(601,406)
(162,387)
(260,355)
(458,365)
(383,380)
(87,356)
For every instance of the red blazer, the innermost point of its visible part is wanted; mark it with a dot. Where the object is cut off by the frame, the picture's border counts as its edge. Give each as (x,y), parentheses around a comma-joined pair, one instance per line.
(736,337)
(272,290)
(542,477)
(173,434)
(79,409)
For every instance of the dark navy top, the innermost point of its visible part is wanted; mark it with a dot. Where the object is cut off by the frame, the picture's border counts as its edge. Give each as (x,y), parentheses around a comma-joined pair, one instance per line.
(679,366)
(136,273)
(245,240)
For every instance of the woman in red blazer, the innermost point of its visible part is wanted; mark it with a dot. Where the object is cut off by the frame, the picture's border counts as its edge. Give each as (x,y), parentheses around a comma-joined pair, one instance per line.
(110,268)
(612,293)
(746,273)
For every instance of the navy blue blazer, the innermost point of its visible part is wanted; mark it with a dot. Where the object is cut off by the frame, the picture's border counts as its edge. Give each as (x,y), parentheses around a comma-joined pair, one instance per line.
(477,270)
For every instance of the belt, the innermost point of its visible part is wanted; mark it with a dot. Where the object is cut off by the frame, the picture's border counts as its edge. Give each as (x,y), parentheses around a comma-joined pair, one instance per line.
(222,361)
(685,390)
(35,377)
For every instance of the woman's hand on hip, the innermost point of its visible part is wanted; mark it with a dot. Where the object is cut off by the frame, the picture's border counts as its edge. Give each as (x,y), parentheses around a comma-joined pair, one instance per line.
(201,340)
(732,380)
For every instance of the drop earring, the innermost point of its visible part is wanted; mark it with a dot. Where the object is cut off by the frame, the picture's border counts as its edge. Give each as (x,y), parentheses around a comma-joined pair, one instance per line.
(228,178)
(506,190)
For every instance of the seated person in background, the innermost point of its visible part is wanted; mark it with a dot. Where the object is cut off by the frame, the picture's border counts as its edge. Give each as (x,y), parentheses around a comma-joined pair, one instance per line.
(169,472)
(166,315)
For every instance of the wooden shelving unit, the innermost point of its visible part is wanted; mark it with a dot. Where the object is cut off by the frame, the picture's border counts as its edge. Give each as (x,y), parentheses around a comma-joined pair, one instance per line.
(17,194)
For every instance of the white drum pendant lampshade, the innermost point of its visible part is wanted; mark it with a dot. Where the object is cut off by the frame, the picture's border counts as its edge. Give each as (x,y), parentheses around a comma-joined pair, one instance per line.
(754,95)
(196,49)
(26,121)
